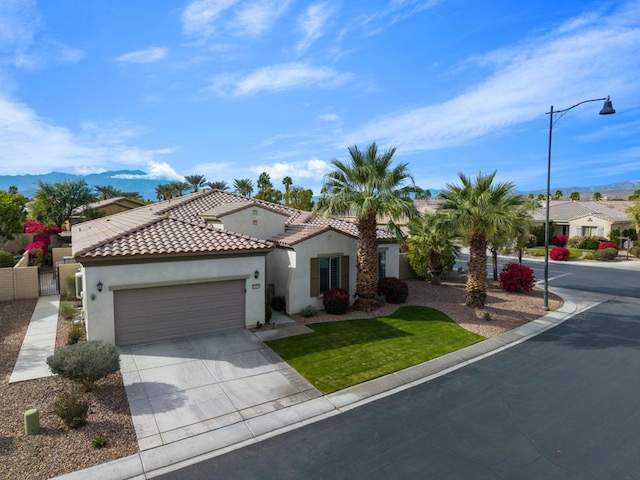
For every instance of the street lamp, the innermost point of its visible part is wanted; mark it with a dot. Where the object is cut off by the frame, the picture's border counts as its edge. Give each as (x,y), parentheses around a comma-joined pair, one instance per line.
(607,109)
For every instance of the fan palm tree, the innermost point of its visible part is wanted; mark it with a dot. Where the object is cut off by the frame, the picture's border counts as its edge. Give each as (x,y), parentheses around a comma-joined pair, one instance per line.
(243,186)
(107,191)
(287,182)
(179,188)
(220,185)
(430,238)
(476,210)
(558,195)
(195,181)
(597,196)
(164,192)
(574,196)
(367,185)
(512,233)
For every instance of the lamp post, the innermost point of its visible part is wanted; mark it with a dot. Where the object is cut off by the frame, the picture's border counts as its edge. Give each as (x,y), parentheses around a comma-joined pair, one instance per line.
(607,109)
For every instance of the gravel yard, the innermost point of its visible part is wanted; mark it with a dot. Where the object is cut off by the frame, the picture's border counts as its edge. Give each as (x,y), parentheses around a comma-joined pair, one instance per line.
(58,450)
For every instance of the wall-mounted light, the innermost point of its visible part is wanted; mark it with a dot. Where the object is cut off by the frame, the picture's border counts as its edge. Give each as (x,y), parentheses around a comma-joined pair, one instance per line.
(99,286)
(256,274)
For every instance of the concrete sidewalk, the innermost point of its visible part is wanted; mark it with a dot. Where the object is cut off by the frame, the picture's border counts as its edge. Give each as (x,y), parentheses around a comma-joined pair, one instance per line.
(39,342)
(166,458)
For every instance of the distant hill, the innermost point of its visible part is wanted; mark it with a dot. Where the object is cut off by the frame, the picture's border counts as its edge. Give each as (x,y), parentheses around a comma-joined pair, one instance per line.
(28,184)
(618,191)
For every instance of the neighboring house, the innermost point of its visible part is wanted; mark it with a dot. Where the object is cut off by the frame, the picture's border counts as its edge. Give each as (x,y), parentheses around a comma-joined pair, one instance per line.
(204,262)
(574,218)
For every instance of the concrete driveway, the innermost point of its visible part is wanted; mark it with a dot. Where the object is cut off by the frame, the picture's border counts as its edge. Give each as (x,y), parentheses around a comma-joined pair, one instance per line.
(181,388)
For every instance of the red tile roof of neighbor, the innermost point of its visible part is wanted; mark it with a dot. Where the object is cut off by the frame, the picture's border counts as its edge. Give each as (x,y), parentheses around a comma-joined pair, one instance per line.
(176,226)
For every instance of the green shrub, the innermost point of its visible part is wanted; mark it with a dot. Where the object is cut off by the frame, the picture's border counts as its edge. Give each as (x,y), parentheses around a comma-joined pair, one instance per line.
(76,333)
(67,310)
(278,303)
(308,311)
(486,316)
(6,259)
(605,255)
(72,409)
(268,312)
(635,251)
(394,290)
(85,362)
(70,283)
(99,441)
(336,301)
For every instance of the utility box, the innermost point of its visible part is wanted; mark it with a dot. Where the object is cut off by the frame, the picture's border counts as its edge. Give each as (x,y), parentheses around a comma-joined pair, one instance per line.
(32,422)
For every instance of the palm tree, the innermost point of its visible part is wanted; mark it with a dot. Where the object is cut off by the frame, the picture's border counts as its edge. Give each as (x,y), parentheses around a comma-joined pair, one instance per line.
(430,239)
(287,182)
(558,195)
(195,181)
(107,192)
(575,196)
(164,192)
(220,185)
(243,186)
(422,194)
(476,210)
(597,196)
(367,186)
(513,233)
(179,188)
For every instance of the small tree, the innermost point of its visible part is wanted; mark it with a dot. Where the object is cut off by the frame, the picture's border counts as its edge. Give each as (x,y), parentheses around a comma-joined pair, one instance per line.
(85,362)
(12,214)
(55,202)
(575,196)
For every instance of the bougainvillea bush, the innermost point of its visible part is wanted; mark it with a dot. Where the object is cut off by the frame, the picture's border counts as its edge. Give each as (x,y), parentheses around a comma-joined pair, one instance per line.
(517,278)
(604,245)
(559,254)
(336,301)
(559,240)
(394,290)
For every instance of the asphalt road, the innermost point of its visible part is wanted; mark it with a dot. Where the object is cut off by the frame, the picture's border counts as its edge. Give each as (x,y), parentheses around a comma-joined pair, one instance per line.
(563,405)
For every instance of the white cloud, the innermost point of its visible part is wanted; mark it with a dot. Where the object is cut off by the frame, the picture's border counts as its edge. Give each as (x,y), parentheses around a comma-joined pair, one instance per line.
(148,55)
(311,23)
(31,144)
(212,171)
(155,171)
(329,117)
(562,68)
(396,11)
(308,169)
(255,18)
(277,78)
(199,16)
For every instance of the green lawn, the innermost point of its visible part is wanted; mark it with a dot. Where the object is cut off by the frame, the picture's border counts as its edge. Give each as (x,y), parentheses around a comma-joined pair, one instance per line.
(573,252)
(340,354)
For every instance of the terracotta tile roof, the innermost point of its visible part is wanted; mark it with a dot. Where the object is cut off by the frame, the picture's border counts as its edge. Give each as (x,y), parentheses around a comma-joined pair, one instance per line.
(570,210)
(176,226)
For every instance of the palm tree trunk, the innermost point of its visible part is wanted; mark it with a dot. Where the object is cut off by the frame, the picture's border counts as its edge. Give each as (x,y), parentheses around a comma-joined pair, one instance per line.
(494,258)
(367,275)
(477,280)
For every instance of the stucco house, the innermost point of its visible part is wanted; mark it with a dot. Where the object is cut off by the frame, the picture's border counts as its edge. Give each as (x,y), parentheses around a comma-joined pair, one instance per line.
(574,218)
(207,262)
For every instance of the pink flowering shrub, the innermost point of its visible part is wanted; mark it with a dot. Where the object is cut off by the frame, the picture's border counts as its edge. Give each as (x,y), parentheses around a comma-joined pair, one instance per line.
(394,290)
(336,301)
(559,254)
(559,240)
(604,245)
(517,278)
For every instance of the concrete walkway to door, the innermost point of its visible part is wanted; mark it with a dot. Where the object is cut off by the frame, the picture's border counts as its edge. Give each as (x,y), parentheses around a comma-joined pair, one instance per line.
(193,386)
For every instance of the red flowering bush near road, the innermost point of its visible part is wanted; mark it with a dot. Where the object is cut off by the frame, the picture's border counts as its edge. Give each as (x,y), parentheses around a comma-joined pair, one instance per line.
(604,245)
(517,278)
(559,254)
(559,240)
(336,301)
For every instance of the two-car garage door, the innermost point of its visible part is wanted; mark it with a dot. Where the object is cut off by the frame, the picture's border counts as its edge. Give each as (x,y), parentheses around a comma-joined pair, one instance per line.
(160,313)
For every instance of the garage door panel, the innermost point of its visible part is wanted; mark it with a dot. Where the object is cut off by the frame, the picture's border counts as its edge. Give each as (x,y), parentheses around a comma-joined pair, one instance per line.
(161,313)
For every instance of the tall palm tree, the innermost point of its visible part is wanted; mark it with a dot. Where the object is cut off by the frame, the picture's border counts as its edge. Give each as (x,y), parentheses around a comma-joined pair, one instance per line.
(558,195)
(367,185)
(574,196)
(107,191)
(164,192)
(179,188)
(597,196)
(195,181)
(287,182)
(512,233)
(243,186)
(219,185)
(476,210)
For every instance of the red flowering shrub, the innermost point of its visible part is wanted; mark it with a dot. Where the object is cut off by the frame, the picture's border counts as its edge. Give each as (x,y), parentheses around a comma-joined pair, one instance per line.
(604,245)
(37,244)
(516,278)
(336,301)
(559,253)
(393,289)
(559,240)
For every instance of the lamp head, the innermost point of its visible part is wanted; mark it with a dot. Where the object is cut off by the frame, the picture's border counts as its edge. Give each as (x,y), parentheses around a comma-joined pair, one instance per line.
(607,108)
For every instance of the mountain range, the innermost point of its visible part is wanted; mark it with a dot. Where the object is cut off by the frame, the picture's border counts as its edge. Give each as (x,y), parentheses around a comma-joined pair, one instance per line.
(138,181)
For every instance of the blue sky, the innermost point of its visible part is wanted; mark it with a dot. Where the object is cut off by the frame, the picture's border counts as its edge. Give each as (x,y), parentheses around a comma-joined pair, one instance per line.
(229,89)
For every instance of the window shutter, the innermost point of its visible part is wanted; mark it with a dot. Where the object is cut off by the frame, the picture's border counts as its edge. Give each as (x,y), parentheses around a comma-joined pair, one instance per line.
(314,279)
(344,272)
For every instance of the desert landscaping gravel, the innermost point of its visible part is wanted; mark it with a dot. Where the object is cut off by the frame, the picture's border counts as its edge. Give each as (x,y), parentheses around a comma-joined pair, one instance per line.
(58,450)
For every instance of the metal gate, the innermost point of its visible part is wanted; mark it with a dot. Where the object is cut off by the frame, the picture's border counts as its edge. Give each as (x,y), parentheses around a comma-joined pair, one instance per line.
(49,281)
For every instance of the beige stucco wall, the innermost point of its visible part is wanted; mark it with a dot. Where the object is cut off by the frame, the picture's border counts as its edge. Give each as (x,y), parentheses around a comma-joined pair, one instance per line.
(267,224)
(6,284)
(67,270)
(58,254)
(26,282)
(290,272)
(99,307)
(603,226)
